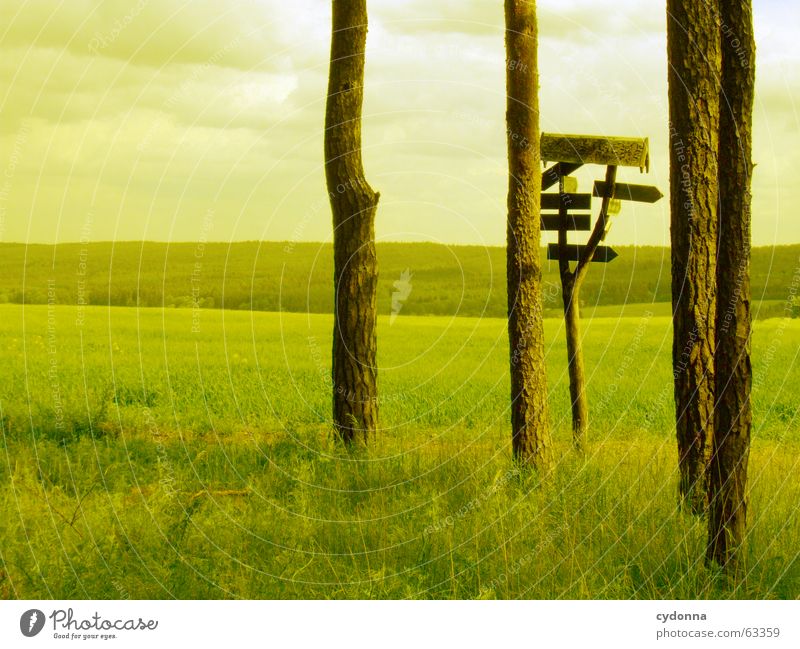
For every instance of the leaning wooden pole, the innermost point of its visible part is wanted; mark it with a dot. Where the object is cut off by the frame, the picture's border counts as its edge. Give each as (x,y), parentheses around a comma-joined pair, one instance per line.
(570,295)
(530,420)
(354,204)
(571,282)
(727,522)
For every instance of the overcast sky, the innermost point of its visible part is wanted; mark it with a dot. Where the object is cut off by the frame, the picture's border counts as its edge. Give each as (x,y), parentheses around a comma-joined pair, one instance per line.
(185,119)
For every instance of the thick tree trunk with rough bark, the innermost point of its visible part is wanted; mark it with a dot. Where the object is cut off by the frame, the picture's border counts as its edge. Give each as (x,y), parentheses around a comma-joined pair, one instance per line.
(731,448)
(354,204)
(529,409)
(693,46)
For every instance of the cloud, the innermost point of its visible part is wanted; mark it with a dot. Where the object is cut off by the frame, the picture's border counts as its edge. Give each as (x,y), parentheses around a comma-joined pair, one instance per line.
(145,113)
(575,21)
(147,32)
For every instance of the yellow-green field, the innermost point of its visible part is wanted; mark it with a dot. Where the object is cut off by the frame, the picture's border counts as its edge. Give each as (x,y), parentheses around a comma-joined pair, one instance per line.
(179,453)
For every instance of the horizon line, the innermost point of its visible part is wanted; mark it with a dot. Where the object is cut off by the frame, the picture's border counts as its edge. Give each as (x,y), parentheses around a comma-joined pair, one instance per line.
(291,242)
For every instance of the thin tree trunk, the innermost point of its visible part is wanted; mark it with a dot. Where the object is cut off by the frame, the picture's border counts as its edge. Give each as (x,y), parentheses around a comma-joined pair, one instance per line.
(529,409)
(577,374)
(728,468)
(693,46)
(354,204)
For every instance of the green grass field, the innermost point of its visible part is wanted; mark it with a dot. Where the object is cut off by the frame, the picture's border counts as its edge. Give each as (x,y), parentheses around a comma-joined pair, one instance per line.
(296,277)
(153,453)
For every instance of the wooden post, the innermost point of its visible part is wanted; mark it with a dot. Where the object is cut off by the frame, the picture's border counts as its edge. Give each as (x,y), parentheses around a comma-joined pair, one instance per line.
(571,282)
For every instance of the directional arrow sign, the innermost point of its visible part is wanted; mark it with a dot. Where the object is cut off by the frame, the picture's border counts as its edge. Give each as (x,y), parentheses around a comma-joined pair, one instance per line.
(560,169)
(574,222)
(625,192)
(575,252)
(571,201)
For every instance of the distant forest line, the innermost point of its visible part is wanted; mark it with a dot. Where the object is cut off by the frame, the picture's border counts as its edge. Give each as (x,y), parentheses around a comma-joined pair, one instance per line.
(296,277)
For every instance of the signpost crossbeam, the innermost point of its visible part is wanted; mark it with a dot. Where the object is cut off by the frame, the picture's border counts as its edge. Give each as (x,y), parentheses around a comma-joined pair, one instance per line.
(579,222)
(627,192)
(575,251)
(570,201)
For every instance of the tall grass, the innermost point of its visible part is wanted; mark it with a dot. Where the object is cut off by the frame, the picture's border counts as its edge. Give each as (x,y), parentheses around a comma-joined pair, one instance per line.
(185,454)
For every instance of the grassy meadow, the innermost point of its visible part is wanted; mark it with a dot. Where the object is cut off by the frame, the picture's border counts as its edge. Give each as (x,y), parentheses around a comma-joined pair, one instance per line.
(291,276)
(157,453)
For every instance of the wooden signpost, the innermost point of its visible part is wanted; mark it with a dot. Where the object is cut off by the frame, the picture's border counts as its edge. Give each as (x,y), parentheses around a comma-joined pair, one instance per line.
(574,252)
(573,222)
(570,201)
(569,153)
(625,192)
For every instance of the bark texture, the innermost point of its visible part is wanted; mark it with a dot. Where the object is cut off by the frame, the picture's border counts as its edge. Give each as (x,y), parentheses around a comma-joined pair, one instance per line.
(731,447)
(529,409)
(693,47)
(354,204)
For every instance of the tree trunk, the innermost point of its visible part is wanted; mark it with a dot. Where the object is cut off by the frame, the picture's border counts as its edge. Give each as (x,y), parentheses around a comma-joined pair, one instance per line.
(577,374)
(693,45)
(354,204)
(529,409)
(731,448)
